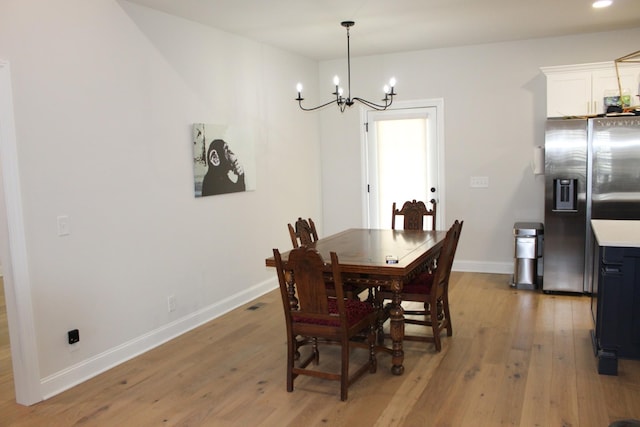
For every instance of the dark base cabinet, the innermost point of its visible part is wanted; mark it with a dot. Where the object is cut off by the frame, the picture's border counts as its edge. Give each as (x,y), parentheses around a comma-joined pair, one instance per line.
(616,307)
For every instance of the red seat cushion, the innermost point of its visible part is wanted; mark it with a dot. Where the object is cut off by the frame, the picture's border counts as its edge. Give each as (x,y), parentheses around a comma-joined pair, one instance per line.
(420,284)
(355,311)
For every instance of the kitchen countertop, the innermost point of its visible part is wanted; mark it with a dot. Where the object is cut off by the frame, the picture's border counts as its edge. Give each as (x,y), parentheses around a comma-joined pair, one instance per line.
(619,233)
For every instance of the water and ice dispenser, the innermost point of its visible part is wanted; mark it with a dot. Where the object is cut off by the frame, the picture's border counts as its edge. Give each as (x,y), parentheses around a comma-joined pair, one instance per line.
(565,194)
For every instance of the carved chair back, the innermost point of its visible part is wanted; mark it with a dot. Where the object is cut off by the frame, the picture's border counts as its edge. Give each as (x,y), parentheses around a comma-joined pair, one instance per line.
(414,213)
(303,233)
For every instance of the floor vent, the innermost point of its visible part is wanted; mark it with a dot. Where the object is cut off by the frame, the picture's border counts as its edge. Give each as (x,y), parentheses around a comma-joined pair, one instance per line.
(256,306)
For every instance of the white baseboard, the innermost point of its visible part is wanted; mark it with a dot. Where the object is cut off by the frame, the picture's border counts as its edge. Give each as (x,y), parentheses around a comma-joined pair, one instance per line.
(76,374)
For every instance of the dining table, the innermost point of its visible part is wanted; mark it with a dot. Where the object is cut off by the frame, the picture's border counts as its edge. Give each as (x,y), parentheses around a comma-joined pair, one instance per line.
(382,258)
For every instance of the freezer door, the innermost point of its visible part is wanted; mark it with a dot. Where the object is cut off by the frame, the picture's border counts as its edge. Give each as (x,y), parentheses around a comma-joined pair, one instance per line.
(565,161)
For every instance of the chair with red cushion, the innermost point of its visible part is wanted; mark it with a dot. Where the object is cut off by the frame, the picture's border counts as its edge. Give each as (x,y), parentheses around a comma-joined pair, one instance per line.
(304,233)
(414,214)
(313,317)
(432,289)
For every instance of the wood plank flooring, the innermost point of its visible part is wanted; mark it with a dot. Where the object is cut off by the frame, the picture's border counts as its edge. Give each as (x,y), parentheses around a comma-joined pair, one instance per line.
(516,358)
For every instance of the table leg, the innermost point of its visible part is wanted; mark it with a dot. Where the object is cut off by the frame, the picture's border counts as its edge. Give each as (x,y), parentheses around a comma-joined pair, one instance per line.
(396,313)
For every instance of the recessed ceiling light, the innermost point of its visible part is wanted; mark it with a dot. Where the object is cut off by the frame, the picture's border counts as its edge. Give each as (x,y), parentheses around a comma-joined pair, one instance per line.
(602,3)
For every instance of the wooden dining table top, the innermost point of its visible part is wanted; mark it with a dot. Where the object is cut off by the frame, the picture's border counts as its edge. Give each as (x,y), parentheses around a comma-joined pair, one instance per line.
(363,250)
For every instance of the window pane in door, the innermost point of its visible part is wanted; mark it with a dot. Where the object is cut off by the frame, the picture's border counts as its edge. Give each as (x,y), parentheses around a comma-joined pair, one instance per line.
(402,163)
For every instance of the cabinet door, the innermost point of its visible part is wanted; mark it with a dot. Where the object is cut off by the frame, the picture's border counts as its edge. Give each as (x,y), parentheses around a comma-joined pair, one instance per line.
(609,328)
(569,94)
(605,83)
(630,79)
(630,305)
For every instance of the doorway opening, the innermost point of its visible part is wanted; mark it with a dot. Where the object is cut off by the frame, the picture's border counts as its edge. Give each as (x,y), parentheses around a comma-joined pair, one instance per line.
(404,159)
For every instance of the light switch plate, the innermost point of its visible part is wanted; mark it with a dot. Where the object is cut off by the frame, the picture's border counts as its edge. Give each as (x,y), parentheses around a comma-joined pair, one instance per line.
(479,182)
(63,225)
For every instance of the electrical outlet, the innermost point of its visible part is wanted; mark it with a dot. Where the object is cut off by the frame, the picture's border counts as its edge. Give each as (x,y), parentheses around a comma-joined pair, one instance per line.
(171,303)
(479,182)
(73,336)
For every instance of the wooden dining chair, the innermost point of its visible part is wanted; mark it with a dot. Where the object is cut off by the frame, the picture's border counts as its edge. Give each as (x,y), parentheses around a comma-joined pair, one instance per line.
(303,232)
(414,214)
(313,317)
(431,288)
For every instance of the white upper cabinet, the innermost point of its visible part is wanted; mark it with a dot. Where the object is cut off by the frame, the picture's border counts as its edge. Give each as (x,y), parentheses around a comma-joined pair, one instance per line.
(579,90)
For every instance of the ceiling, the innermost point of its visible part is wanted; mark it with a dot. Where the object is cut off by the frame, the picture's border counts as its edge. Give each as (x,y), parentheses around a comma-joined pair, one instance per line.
(312,27)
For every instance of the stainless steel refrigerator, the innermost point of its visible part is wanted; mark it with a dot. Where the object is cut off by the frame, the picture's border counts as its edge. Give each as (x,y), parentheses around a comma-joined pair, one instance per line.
(592,170)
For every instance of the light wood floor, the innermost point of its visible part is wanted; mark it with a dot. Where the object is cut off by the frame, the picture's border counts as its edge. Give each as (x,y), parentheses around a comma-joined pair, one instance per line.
(517,358)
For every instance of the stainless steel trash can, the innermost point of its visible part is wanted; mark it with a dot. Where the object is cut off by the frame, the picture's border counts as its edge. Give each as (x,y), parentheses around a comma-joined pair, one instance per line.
(529,238)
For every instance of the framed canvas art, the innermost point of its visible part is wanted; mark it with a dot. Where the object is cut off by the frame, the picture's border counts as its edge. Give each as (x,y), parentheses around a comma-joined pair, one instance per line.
(223,160)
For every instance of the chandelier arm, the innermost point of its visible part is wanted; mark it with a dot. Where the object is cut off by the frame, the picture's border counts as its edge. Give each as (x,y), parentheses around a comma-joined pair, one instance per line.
(318,107)
(374,105)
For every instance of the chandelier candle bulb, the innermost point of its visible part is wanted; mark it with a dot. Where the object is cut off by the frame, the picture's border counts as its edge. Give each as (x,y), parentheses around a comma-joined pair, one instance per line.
(299,88)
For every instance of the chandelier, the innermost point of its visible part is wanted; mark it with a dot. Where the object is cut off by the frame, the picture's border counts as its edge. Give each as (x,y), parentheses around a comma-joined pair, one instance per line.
(342,102)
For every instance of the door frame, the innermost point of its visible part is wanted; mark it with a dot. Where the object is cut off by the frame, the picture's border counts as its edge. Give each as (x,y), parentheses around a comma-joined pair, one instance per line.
(13,253)
(438,104)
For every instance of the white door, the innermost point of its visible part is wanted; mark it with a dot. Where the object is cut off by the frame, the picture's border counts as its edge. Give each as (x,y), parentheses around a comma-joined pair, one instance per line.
(405,158)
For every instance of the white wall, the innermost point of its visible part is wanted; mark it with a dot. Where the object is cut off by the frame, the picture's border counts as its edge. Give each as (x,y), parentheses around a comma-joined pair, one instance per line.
(105,93)
(495,102)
